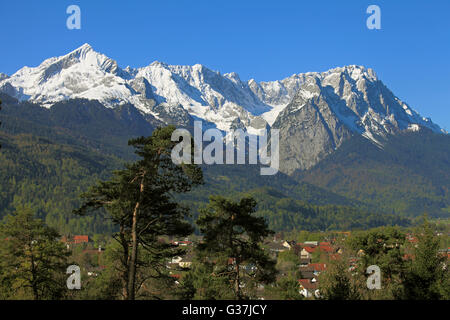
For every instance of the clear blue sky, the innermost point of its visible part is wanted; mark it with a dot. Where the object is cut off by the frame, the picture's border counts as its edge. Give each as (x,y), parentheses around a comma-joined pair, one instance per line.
(264,40)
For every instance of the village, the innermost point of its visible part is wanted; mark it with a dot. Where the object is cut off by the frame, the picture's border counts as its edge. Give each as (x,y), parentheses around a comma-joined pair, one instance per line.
(305,260)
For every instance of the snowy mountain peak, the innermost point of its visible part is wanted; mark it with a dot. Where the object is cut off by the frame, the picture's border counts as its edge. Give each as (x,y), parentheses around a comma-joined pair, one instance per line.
(354,71)
(85,47)
(81,52)
(82,73)
(354,93)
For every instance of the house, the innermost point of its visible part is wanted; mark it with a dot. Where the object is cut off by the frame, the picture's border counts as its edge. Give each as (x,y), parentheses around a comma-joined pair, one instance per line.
(317,267)
(289,244)
(176,278)
(80,239)
(325,247)
(184,243)
(411,238)
(306,252)
(312,270)
(276,247)
(308,288)
(305,261)
(307,274)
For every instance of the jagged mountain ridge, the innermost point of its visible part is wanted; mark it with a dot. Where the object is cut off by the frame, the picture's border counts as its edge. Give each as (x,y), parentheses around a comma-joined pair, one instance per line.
(315,112)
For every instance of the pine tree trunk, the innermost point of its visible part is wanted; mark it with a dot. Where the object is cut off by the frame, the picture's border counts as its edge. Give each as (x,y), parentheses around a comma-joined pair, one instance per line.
(237,282)
(33,278)
(125,263)
(134,247)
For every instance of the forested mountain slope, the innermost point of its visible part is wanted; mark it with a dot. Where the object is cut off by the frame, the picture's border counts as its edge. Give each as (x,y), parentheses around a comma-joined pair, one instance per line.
(409,175)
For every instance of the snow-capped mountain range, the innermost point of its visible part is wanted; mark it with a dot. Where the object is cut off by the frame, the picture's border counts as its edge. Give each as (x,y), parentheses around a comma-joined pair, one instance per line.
(347,100)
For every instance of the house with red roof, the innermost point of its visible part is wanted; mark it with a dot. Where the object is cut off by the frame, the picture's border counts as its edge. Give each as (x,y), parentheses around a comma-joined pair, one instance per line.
(308,288)
(80,239)
(317,267)
(306,252)
(325,248)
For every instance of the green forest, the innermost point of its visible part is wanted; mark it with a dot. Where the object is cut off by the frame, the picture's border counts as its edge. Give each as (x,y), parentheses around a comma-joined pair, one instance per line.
(48,159)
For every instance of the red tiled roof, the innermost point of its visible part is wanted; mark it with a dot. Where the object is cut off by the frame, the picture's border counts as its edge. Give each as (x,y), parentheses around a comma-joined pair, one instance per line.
(413,239)
(325,248)
(80,239)
(318,266)
(309,249)
(307,284)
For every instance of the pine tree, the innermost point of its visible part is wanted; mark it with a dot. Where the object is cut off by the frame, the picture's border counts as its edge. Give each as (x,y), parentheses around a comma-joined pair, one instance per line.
(427,276)
(286,288)
(383,247)
(336,282)
(32,259)
(232,243)
(140,201)
(200,283)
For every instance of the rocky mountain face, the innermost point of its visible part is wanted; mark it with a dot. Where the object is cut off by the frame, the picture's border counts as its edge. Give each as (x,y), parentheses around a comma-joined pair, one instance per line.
(330,107)
(315,112)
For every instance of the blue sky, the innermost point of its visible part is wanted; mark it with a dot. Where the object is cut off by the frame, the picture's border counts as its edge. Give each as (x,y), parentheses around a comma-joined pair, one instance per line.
(264,40)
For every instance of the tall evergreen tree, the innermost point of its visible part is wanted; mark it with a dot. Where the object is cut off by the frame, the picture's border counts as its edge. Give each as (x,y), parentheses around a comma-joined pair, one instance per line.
(32,259)
(336,282)
(202,282)
(140,201)
(383,247)
(232,243)
(427,277)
